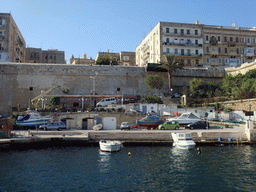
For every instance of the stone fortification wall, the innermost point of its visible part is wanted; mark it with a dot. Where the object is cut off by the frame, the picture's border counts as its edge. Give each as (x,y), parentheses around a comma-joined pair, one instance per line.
(243,69)
(22,82)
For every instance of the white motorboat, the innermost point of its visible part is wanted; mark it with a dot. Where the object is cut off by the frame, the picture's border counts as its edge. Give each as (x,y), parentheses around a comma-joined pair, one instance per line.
(183,140)
(32,119)
(110,146)
(185,118)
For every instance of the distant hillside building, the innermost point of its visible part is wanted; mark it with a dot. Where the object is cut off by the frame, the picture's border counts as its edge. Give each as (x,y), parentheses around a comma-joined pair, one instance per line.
(123,58)
(198,45)
(81,61)
(12,43)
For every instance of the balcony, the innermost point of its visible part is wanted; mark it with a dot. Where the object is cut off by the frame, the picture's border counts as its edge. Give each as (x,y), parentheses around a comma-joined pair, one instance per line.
(187,44)
(145,47)
(184,34)
(145,56)
(3,25)
(183,55)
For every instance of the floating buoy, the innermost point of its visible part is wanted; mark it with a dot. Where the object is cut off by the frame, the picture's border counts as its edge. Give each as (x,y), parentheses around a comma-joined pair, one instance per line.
(129,153)
(198,150)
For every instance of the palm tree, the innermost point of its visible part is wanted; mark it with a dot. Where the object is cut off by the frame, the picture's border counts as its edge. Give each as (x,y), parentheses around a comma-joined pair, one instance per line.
(171,64)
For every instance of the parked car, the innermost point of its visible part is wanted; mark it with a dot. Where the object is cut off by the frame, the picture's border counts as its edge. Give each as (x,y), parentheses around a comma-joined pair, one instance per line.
(175,95)
(53,126)
(198,125)
(105,102)
(169,125)
(125,125)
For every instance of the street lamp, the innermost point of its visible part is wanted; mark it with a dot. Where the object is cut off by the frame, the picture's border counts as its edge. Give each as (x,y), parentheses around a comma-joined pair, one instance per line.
(93,87)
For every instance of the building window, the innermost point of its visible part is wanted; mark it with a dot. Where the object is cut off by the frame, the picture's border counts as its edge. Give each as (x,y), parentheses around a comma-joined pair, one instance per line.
(30,88)
(208,60)
(196,42)
(219,50)
(248,40)
(188,52)
(50,57)
(182,51)
(168,50)
(197,61)
(226,50)
(182,61)
(237,51)
(231,39)
(196,52)
(46,57)
(167,40)
(167,30)
(237,39)
(175,31)
(206,38)
(225,39)
(0,56)
(188,32)
(218,38)
(182,31)
(220,61)
(207,49)
(196,32)
(176,51)
(253,41)
(189,62)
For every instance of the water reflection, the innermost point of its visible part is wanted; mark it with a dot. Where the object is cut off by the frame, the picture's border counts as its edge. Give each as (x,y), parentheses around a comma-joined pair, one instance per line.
(104,161)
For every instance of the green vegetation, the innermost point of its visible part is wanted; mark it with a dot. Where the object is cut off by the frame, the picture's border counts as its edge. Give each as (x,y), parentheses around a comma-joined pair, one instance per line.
(106,61)
(232,87)
(151,99)
(55,100)
(154,82)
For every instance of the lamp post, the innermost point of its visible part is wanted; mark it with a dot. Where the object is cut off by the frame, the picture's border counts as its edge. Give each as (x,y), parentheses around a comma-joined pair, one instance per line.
(93,87)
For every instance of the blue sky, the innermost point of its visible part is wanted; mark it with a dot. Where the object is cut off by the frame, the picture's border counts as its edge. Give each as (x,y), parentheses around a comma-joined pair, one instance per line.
(92,26)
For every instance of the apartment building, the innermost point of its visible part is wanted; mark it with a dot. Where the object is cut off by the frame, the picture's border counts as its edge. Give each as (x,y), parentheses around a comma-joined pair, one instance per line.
(228,46)
(123,58)
(197,45)
(37,55)
(12,43)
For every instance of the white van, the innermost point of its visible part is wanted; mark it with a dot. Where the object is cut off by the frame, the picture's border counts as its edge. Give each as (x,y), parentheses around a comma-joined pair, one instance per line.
(105,102)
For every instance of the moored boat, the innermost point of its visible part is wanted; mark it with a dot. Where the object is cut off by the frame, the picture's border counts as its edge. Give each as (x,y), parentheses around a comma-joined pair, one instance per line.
(150,121)
(185,118)
(183,140)
(32,119)
(110,146)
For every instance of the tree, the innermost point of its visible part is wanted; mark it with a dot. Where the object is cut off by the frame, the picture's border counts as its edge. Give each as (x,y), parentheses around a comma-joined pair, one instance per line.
(171,64)
(55,100)
(154,82)
(106,61)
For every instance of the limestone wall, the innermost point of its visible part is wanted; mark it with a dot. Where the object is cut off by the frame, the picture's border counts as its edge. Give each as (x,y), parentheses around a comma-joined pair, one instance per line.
(19,83)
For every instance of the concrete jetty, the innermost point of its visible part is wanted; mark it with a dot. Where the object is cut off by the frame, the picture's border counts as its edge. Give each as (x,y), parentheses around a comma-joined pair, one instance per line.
(235,135)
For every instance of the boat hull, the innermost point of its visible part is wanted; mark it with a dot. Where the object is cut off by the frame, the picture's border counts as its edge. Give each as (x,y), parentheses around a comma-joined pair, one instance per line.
(110,146)
(31,123)
(149,123)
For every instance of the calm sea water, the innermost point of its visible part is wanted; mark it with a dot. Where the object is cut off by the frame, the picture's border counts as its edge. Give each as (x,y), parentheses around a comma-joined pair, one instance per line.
(147,169)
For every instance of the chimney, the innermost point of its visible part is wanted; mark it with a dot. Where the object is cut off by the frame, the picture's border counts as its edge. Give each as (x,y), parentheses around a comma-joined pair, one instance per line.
(197,22)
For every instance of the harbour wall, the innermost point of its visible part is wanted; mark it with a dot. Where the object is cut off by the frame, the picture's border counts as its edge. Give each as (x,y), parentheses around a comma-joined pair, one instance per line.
(19,83)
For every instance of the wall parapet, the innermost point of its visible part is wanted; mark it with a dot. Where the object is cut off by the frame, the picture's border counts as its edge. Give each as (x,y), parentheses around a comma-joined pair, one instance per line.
(81,70)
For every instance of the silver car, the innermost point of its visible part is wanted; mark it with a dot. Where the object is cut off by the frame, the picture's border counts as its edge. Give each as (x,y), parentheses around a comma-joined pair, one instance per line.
(53,126)
(125,125)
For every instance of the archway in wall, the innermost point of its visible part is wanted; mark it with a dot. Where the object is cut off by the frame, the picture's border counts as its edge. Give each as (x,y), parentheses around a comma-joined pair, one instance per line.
(67,122)
(87,123)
